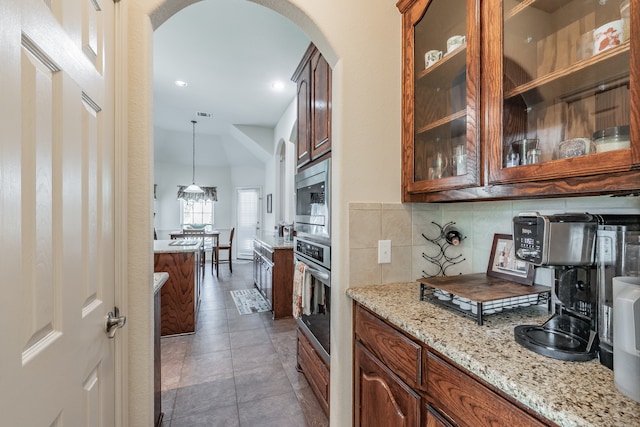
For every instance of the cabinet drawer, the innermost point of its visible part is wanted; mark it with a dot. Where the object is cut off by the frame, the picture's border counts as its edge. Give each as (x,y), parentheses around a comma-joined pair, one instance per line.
(469,402)
(434,419)
(314,370)
(401,354)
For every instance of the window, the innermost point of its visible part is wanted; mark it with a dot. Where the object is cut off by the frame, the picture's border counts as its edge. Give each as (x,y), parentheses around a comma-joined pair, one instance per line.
(196,212)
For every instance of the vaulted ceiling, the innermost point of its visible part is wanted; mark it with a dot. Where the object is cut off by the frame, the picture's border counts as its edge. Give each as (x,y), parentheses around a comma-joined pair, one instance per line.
(229,52)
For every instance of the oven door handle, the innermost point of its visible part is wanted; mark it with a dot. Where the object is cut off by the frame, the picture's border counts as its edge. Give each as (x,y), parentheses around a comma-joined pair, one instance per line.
(317,273)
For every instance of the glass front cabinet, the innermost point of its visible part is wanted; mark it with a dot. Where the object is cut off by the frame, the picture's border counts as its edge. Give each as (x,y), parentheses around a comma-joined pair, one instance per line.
(519,99)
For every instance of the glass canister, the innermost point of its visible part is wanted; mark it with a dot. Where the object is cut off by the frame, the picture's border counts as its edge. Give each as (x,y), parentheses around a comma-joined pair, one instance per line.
(613,138)
(523,147)
(626,19)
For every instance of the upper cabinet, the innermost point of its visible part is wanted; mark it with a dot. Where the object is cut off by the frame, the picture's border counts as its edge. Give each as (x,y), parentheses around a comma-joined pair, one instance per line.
(440,95)
(551,91)
(313,77)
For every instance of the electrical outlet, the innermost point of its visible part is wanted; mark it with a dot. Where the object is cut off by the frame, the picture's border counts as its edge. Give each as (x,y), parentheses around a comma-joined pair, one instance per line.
(384,251)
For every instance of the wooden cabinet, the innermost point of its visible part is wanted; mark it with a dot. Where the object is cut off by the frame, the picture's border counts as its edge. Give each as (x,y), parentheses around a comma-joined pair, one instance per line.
(313,77)
(315,370)
(381,397)
(273,276)
(399,381)
(393,348)
(523,99)
(440,101)
(469,402)
(434,419)
(180,295)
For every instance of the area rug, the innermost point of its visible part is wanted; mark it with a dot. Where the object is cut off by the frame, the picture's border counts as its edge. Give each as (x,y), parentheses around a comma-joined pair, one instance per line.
(249,301)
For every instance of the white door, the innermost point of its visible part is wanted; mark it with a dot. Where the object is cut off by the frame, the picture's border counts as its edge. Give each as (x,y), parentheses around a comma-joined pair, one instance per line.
(248,211)
(57,259)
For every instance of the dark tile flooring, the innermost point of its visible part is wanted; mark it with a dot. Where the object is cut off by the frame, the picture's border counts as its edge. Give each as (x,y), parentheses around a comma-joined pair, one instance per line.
(236,370)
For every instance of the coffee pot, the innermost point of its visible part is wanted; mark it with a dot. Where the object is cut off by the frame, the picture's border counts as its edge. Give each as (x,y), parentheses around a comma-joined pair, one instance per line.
(618,238)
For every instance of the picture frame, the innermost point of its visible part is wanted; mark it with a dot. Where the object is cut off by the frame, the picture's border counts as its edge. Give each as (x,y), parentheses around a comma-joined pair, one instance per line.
(269,203)
(503,263)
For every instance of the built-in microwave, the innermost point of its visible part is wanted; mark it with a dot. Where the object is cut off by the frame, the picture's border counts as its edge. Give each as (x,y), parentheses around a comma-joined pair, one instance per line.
(313,202)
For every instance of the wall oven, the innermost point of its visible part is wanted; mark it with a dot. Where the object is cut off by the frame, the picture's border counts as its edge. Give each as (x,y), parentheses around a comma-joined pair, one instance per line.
(313,202)
(317,325)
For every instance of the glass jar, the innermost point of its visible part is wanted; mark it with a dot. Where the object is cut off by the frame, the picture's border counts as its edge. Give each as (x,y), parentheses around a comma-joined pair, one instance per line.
(626,19)
(613,138)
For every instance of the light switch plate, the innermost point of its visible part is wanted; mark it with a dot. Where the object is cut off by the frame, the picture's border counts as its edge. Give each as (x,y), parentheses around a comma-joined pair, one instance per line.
(384,251)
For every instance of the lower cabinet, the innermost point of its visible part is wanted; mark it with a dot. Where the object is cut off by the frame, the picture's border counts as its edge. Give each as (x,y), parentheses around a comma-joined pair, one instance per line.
(273,276)
(395,384)
(314,369)
(381,397)
(434,419)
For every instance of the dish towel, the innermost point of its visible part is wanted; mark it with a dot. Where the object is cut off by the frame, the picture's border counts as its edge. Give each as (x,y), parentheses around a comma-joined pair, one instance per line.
(301,290)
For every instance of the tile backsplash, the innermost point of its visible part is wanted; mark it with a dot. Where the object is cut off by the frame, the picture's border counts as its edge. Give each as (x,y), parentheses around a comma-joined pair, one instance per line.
(404,225)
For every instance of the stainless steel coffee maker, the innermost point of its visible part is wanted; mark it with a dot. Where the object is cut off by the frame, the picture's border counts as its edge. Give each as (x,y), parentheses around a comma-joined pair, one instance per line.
(566,243)
(586,251)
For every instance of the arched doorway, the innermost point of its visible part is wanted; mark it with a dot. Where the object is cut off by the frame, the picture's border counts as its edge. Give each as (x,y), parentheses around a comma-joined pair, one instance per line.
(135,220)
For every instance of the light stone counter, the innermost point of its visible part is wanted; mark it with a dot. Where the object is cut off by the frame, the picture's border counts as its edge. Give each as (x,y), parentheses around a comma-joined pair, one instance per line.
(568,393)
(276,242)
(159,279)
(170,246)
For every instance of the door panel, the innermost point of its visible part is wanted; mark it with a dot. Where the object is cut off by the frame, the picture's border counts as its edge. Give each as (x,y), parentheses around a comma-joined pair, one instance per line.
(248,212)
(57,212)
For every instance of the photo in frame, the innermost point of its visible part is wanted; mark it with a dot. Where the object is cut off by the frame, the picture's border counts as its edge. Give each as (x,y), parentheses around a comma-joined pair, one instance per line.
(269,203)
(504,264)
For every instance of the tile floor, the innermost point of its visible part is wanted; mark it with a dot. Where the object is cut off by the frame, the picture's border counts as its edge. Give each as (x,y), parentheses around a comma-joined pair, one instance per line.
(236,370)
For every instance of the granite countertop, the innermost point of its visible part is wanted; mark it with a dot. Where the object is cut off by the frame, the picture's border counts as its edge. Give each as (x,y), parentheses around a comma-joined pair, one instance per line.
(169,246)
(276,242)
(159,279)
(568,393)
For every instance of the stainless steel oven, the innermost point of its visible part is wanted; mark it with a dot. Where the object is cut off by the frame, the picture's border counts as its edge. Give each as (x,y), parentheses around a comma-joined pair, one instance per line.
(313,202)
(317,325)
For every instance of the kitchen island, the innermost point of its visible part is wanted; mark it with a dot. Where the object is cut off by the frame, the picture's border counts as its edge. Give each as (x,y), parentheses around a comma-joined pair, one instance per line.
(565,393)
(180,295)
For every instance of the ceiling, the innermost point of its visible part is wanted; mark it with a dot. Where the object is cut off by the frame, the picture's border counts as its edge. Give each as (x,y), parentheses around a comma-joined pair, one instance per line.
(229,52)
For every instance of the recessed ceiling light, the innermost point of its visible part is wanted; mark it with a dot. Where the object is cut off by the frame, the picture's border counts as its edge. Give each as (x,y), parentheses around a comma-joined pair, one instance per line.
(277,85)
(181,83)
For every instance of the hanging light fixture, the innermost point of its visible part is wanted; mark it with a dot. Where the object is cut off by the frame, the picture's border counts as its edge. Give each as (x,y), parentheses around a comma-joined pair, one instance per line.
(194,188)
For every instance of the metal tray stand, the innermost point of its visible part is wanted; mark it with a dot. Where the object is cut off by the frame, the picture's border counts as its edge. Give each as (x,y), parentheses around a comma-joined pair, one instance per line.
(477,296)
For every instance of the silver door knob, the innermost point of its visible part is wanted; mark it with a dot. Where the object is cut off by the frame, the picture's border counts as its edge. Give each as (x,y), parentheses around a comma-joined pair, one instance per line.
(114,322)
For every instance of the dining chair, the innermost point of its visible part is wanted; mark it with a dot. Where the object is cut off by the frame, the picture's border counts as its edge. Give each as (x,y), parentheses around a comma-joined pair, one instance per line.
(224,247)
(190,233)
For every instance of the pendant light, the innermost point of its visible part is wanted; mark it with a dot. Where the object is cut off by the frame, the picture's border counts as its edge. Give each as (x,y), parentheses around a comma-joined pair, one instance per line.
(194,188)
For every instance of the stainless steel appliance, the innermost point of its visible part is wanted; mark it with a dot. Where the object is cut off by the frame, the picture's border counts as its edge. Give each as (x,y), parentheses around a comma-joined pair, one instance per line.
(313,202)
(617,235)
(586,252)
(567,243)
(317,326)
